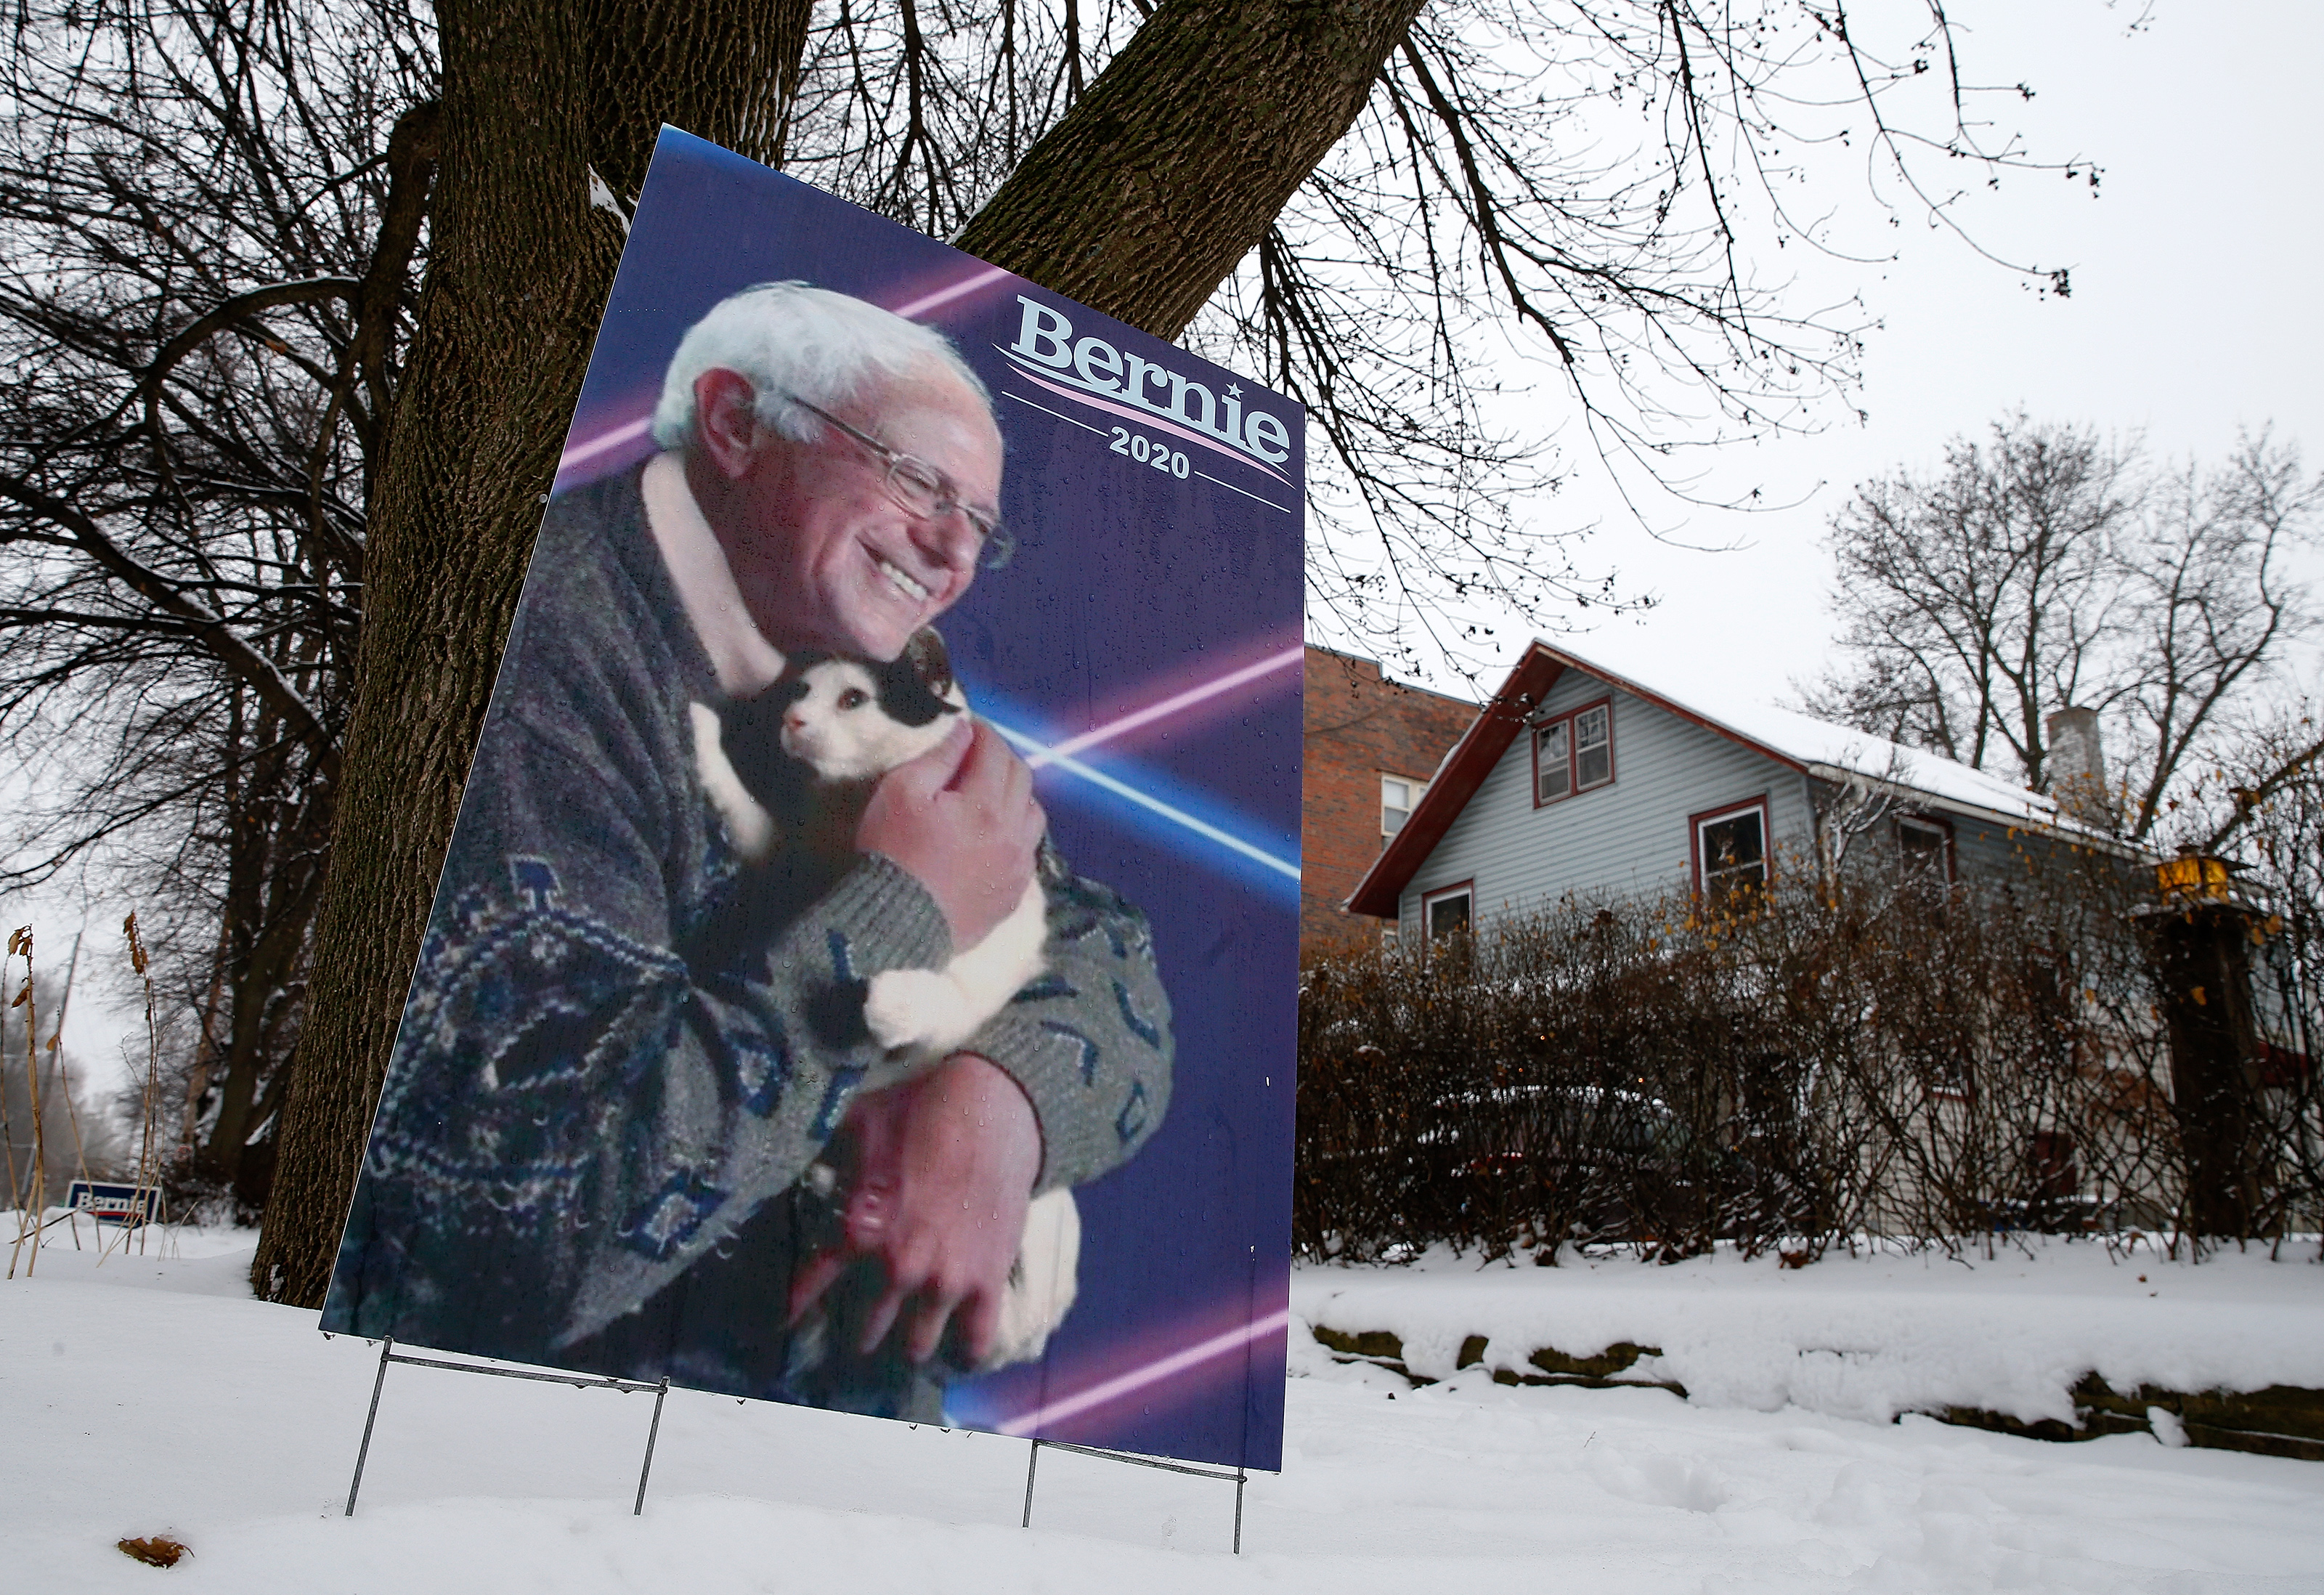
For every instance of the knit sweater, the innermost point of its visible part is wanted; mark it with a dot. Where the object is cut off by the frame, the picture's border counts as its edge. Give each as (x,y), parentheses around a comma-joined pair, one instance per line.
(621,1041)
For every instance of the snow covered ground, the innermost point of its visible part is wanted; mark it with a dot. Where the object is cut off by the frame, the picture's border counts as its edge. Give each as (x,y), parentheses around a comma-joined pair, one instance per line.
(151,1395)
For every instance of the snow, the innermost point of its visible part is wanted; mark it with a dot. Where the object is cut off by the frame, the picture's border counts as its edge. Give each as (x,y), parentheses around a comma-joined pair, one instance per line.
(151,1395)
(1819,742)
(1871,1336)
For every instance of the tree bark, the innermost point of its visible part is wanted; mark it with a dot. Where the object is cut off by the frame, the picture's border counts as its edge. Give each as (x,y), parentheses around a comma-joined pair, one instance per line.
(538,94)
(1139,202)
(1171,169)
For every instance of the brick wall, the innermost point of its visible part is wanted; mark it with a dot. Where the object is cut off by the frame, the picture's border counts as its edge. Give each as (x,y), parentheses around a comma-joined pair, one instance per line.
(1359,728)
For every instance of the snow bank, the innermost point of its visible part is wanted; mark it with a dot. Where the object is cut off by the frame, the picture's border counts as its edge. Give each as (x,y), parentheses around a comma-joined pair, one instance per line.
(1866,1337)
(151,1395)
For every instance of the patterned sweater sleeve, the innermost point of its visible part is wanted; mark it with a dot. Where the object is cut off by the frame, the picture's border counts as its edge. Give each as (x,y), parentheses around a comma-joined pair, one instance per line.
(591,1088)
(1090,1041)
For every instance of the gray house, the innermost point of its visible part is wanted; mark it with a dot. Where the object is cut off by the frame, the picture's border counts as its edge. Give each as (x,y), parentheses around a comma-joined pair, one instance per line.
(1574,780)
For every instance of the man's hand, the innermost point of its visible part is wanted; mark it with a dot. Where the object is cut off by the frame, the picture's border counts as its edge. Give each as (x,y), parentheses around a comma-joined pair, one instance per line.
(945,1166)
(961,818)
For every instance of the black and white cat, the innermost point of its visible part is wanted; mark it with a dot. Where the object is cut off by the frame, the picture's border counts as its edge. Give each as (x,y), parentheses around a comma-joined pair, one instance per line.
(844,724)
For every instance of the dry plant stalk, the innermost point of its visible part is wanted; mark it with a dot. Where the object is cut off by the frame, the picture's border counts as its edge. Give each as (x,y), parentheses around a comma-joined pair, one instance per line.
(35,1203)
(63,1080)
(142,963)
(8,1137)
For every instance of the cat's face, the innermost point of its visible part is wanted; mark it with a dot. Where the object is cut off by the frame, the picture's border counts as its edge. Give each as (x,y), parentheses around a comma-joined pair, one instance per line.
(839,728)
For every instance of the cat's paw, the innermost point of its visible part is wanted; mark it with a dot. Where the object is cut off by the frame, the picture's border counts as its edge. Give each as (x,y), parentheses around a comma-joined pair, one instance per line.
(1043,1283)
(912,1008)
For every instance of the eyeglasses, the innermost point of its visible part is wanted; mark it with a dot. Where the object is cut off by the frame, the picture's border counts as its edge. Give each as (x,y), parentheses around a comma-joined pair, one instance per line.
(922,490)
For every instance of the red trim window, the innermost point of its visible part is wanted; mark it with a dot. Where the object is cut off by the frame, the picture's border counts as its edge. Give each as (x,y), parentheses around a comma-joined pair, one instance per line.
(1446,911)
(1573,752)
(1731,852)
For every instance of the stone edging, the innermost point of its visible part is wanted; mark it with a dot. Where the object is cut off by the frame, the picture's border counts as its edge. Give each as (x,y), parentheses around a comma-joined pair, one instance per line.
(2282,1420)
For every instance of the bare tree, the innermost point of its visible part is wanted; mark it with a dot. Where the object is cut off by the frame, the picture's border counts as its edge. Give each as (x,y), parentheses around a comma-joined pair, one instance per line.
(1588,182)
(2206,572)
(1858,805)
(2044,568)
(1972,601)
(223,207)
(210,224)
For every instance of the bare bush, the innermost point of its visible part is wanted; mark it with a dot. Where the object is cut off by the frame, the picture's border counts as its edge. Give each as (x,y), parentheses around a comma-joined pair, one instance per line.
(1828,1060)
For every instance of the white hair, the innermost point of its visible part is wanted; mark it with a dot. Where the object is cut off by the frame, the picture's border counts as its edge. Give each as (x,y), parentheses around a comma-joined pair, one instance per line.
(791,339)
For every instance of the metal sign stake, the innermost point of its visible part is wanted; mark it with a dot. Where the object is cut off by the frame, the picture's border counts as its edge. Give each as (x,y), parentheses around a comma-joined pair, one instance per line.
(652,1433)
(387,1355)
(1239,1476)
(364,1451)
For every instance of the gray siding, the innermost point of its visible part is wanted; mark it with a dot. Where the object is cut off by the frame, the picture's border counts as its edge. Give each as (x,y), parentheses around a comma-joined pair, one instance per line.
(1984,850)
(1630,838)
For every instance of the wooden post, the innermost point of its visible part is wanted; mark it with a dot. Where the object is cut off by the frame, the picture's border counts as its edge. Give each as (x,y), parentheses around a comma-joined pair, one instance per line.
(2201,939)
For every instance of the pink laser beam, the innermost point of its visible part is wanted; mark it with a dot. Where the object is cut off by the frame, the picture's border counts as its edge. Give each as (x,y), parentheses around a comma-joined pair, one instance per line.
(1169,706)
(945,296)
(1152,1373)
(628,431)
(624,433)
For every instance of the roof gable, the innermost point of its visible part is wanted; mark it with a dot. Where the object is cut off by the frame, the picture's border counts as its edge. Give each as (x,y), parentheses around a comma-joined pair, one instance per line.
(1457,779)
(1796,741)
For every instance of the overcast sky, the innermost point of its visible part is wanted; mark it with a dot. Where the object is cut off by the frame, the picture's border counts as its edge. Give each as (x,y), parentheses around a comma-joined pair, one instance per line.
(2193,312)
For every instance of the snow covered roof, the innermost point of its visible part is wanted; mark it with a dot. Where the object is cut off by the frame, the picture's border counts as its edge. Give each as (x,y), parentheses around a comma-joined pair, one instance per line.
(1821,747)
(1816,747)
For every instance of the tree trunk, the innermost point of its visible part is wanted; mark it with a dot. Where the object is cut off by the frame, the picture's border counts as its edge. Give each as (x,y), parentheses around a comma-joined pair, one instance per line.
(1139,203)
(538,94)
(1172,168)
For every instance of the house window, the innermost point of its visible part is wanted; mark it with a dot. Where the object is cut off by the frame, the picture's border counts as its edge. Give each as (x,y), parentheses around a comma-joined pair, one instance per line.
(1573,752)
(2050,1163)
(1730,853)
(1446,913)
(1398,799)
(1925,849)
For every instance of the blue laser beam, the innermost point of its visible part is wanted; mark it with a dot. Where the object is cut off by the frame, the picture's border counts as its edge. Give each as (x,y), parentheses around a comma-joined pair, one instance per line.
(1171,812)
